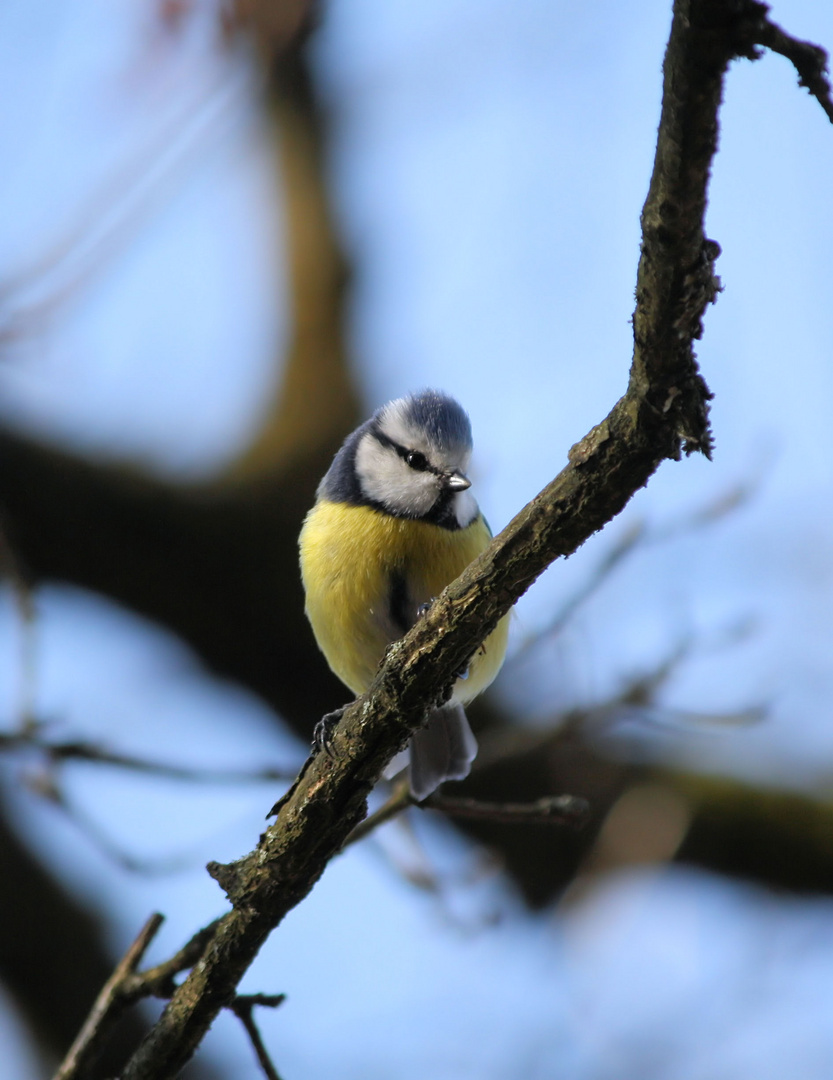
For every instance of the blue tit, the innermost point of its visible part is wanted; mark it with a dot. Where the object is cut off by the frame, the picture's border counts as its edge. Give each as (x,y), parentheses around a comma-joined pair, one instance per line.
(394,522)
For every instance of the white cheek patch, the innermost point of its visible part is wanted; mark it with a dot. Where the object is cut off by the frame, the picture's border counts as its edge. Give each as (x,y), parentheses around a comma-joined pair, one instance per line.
(385,478)
(465,508)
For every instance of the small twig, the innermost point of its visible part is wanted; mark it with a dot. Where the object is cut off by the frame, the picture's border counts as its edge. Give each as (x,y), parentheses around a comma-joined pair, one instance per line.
(108,1005)
(615,555)
(725,503)
(159,981)
(399,800)
(79,750)
(110,216)
(810,61)
(47,785)
(126,985)
(46,782)
(549,810)
(636,537)
(84,751)
(242,1006)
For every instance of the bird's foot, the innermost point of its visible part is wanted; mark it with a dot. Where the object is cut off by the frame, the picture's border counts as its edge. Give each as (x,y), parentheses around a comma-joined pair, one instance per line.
(322,733)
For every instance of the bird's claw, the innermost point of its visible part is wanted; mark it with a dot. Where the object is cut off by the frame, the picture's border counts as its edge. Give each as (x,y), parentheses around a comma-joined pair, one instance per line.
(322,733)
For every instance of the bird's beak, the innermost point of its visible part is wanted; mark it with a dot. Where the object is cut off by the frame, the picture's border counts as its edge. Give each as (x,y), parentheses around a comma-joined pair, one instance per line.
(457,481)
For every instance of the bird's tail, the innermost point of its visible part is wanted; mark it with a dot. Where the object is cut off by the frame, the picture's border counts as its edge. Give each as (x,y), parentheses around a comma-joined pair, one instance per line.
(441,750)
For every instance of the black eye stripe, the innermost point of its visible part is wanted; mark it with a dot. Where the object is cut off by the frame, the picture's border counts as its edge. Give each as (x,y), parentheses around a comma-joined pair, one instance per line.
(414,458)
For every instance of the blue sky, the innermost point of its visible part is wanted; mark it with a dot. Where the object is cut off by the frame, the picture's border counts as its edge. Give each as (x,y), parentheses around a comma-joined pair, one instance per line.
(489,163)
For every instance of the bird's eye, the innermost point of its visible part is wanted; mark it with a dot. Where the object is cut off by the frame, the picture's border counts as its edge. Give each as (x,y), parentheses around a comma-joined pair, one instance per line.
(417,460)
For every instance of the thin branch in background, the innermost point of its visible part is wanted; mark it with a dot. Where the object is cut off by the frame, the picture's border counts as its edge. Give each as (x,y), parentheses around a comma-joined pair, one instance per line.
(47,785)
(24,603)
(400,799)
(642,689)
(46,782)
(108,1006)
(83,751)
(726,503)
(243,1007)
(79,750)
(637,536)
(612,558)
(549,810)
(636,701)
(415,867)
(556,810)
(109,218)
(687,720)
(810,61)
(636,698)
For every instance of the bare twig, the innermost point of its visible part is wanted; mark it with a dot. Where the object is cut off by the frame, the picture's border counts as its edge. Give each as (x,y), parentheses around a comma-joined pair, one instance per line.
(616,554)
(80,750)
(48,786)
(242,1007)
(101,227)
(638,536)
(108,1006)
(399,800)
(126,985)
(159,981)
(84,751)
(550,810)
(810,61)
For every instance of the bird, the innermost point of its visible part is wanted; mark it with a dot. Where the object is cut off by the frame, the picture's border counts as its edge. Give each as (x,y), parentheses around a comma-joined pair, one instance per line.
(393,523)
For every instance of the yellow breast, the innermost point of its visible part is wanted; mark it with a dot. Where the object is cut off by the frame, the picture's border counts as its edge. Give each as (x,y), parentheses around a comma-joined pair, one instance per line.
(349,557)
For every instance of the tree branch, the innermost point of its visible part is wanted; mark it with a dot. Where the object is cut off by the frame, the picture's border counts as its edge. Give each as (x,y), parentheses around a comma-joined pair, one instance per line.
(664,410)
(56,752)
(809,61)
(549,810)
(107,1008)
(243,1006)
(159,981)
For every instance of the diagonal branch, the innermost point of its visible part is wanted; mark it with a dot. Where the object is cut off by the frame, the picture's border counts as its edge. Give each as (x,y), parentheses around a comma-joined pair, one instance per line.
(107,1008)
(664,410)
(810,61)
